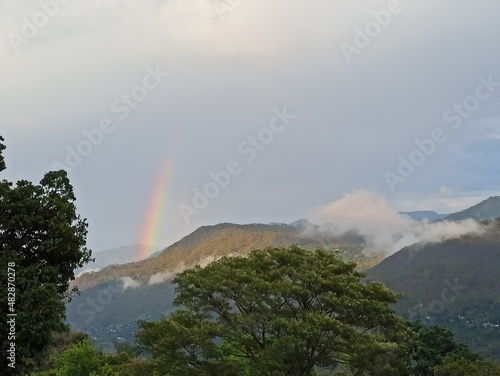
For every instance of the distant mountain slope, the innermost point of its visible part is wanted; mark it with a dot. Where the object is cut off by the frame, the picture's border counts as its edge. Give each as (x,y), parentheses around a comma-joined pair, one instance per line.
(122,255)
(424,215)
(210,242)
(487,209)
(455,284)
(109,314)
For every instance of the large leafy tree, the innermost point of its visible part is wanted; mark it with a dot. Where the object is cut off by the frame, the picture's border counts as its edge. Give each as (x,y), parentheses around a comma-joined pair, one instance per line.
(279,311)
(42,240)
(432,345)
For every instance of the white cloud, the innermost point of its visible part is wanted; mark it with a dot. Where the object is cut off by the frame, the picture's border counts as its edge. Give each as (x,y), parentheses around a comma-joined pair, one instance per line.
(160,277)
(89,270)
(446,191)
(129,283)
(385,230)
(170,274)
(166,275)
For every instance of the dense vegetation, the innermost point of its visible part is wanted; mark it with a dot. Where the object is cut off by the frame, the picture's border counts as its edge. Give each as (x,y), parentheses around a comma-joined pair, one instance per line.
(42,241)
(280,311)
(114,315)
(453,284)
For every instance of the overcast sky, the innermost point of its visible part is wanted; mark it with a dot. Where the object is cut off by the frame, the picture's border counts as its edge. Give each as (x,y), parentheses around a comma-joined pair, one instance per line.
(354,83)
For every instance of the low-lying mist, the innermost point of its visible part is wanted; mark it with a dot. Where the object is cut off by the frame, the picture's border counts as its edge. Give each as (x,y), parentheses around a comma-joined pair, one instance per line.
(385,230)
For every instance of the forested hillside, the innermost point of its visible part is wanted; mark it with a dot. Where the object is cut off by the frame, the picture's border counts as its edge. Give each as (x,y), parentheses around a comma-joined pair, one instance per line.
(455,284)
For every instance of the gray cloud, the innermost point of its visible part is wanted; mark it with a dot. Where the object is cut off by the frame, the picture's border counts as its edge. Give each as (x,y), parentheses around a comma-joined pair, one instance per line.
(353,120)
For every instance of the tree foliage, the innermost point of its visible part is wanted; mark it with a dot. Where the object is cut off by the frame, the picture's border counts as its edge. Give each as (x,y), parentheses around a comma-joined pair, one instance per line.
(42,239)
(280,311)
(82,359)
(459,366)
(431,346)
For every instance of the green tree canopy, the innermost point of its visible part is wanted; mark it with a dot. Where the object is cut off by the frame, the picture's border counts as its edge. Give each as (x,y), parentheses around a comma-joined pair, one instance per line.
(82,359)
(279,311)
(459,366)
(431,346)
(42,241)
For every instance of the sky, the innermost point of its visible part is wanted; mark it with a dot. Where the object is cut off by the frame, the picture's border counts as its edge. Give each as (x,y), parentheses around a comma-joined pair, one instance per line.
(170,115)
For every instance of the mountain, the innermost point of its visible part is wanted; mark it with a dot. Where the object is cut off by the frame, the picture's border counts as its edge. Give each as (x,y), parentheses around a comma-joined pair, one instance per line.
(113,299)
(454,284)
(300,223)
(210,242)
(122,255)
(303,223)
(487,209)
(424,215)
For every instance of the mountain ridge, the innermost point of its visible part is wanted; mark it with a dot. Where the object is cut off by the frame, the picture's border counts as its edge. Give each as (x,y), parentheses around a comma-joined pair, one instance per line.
(223,239)
(424,215)
(211,242)
(485,210)
(120,255)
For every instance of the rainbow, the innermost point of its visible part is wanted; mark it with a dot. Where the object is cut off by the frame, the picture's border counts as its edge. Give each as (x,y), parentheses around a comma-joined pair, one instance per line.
(153,221)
